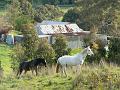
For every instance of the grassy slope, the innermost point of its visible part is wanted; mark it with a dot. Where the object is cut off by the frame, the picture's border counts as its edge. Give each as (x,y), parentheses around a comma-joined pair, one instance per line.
(44,81)
(5,58)
(49,80)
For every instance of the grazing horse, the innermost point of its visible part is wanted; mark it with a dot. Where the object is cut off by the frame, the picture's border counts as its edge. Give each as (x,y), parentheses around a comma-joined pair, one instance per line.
(30,65)
(75,60)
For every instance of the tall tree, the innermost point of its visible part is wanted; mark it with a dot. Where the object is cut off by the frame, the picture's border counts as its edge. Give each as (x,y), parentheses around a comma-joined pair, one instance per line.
(99,13)
(49,12)
(60,45)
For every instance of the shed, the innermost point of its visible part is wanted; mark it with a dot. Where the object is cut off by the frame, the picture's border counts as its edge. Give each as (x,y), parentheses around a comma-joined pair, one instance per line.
(71,30)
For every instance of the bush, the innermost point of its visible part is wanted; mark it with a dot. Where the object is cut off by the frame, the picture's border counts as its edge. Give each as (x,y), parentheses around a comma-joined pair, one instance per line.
(60,45)
(114,50)
(47,12)
(17,56)
(97,79)
(45,51)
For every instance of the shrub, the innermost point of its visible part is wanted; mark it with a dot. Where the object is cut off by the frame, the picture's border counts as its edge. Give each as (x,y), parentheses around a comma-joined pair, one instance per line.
(17,56)
(45,51)
(60,45)
(97,79)
(48,12)
(114,50)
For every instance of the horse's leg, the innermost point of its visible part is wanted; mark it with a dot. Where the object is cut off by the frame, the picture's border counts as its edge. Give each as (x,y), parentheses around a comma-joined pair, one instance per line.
(32,70)
(64,70)
(78,69)
(25,72)
(36,70)
(20,72)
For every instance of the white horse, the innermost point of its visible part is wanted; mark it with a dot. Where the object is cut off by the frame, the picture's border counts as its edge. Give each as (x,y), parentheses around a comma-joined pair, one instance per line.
(75,60)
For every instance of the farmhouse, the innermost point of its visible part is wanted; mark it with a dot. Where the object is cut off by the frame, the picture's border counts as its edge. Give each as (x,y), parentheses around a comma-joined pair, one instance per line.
(48,30)
(74,34)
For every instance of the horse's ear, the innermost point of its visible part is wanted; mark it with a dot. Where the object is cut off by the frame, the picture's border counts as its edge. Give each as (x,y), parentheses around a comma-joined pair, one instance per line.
(91,45)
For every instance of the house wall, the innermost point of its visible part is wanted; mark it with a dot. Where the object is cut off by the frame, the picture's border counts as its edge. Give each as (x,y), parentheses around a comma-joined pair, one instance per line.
(73,41)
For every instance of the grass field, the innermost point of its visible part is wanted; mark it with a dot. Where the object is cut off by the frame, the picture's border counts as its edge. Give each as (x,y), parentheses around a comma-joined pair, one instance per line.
(47,80)
(5,58)
(90,77)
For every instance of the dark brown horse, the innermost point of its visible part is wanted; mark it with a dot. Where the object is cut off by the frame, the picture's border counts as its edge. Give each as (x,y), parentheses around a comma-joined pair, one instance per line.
(31,65)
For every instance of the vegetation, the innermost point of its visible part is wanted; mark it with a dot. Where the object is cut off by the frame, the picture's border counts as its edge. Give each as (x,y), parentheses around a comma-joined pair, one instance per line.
(17,56)
(60,45)
(46,51)
(98,16)
(101,77)
(101,14)
(114,51)
(47,12)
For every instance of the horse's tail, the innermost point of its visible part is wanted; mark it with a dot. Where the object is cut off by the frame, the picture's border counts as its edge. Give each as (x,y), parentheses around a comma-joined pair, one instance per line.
(57,67)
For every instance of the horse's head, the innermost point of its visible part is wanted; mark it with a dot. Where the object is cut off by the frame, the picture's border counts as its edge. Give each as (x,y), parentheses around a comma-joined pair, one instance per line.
(89,51)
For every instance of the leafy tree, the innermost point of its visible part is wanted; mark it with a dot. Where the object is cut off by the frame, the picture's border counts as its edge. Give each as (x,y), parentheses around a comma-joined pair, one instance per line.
(48,12)
(17,56)
(22,20)
(31,40)
(60,45)
(114,50)
(19,8)
(26,8)
(102,14)
(58,2)
(14,11)
(46,51)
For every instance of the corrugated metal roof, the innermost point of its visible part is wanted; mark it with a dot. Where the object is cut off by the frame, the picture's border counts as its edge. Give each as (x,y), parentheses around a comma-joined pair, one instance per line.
(45,22)
(57,28)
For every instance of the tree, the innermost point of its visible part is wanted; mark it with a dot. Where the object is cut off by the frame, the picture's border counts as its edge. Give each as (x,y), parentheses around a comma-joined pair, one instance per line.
(97,13)
(60,45)
(114,50)
(17,56)
(58,2)
(31,40)
(26,8)
(18,8)
(14,11)
(47,12)
(45,51)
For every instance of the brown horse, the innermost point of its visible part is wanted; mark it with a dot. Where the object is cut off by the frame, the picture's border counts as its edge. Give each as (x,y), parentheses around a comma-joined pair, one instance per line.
(31,65)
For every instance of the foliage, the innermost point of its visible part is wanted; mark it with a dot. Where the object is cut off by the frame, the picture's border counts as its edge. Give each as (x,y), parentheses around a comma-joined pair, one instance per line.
(72,15)
(26,8)
(31,40)
(17,56)
(17,9)
(97,79)
(47,12)
(5,52)
(102,14)
(58,2)
(20,21)
(114,50)
(99,52)
(60,45)
(45,51)
(14,11)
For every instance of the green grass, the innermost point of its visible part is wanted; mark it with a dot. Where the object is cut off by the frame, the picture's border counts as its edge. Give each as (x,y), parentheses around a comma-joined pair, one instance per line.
(94,77)
(2,12)
(37,83)
(5,51)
